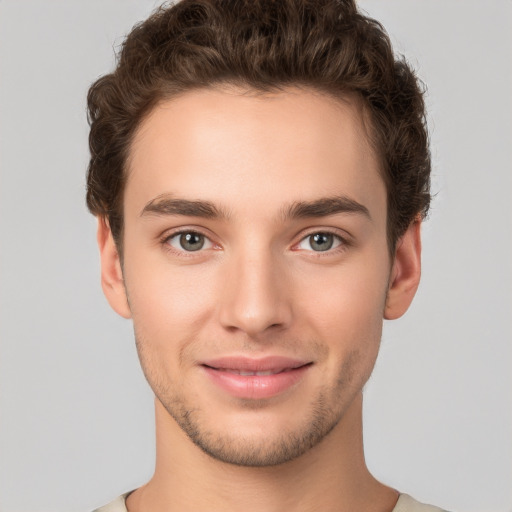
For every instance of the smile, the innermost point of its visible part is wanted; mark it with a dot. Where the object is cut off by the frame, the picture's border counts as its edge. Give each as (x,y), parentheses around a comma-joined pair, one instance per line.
(255,379)
(246,373)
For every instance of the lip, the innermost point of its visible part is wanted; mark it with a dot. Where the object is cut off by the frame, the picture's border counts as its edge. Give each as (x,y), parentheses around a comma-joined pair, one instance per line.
(251,378)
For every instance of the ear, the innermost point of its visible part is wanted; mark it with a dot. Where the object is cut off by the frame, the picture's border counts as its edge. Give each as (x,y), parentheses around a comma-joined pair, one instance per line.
(112,280)
(405,274)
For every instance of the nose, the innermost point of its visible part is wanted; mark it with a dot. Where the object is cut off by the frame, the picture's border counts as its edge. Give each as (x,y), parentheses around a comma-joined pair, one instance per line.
(255,298)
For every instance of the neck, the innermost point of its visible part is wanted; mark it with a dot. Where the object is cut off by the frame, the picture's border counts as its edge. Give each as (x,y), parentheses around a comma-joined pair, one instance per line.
(332,476)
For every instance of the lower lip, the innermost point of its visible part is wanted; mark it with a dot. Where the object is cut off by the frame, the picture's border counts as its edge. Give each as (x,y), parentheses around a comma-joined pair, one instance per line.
(256,386)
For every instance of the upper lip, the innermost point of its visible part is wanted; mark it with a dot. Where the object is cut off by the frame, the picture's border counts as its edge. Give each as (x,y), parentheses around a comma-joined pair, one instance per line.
(249,364)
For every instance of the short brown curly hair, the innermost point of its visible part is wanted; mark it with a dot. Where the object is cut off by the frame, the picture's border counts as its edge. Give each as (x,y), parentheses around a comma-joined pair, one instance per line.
(266,45)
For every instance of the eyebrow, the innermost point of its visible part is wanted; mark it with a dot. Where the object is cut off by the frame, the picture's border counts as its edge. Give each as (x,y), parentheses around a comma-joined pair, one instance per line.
(323,207)
(165,205)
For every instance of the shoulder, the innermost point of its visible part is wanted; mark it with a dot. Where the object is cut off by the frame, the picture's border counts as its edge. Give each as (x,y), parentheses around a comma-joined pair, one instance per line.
(407,504)
(118,505)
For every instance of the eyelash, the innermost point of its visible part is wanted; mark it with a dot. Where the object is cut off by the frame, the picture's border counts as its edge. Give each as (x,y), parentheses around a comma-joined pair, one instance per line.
(182,253)
(344,242)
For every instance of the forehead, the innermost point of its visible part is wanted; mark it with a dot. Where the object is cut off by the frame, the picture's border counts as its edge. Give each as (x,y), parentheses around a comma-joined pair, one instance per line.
(243,149)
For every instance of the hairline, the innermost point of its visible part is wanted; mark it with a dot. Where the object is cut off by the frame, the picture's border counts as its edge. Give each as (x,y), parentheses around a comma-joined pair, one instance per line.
(242,87)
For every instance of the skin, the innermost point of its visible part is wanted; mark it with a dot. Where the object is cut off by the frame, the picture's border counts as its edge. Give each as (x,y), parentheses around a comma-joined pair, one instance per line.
(258,287)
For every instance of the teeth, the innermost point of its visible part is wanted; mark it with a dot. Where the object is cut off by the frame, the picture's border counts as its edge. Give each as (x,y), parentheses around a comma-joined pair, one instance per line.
(249,374)
(266,372)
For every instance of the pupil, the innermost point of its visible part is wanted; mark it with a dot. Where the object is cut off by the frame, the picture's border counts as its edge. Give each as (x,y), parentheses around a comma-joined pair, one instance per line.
(321,241)
(192,241)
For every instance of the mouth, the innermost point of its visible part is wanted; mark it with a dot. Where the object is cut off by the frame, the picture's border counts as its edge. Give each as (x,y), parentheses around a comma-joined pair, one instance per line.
(249,373)
(248,378)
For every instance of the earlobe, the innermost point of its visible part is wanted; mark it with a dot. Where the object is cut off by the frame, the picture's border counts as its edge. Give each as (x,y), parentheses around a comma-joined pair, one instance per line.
(112,280)
(405,274)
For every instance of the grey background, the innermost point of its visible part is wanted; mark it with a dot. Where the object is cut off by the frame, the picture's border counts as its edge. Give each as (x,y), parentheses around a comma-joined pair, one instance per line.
(76,417)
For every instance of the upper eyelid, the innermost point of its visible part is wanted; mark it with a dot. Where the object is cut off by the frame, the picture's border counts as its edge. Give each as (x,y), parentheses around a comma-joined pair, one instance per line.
(339,233)
(171,233)
(166,237)
(343,240)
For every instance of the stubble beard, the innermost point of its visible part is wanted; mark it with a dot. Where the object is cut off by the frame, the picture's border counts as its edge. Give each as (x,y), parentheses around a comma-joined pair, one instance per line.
(324,415)
(249,453)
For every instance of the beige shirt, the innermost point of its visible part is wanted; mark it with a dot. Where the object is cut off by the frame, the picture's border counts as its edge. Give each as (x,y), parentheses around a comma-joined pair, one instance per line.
(404,504)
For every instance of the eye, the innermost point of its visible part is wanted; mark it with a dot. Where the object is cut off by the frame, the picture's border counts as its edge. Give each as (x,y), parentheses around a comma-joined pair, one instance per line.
(189,241)
(320,242)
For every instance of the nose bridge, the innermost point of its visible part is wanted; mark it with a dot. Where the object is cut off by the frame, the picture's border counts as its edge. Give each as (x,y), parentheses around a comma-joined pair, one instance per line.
(254,298)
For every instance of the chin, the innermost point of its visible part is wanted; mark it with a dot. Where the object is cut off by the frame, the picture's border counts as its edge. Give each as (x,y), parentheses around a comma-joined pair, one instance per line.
(261,439)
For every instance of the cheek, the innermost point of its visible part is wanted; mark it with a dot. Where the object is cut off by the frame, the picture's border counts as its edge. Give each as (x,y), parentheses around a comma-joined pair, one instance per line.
(168,302)
(348,297)
(169,311)
(346,313)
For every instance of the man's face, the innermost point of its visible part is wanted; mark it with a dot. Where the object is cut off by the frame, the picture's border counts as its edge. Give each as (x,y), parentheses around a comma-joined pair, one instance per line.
(256,266)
